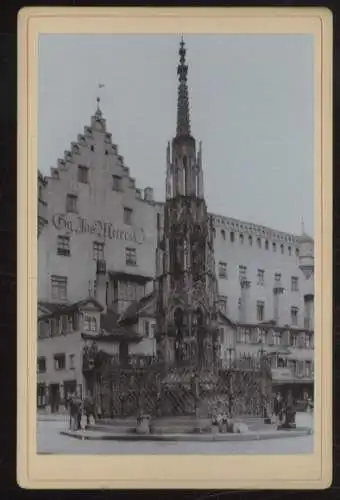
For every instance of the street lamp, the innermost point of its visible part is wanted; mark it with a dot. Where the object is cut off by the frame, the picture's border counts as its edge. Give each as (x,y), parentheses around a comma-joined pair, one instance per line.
(230,350)
(262,374)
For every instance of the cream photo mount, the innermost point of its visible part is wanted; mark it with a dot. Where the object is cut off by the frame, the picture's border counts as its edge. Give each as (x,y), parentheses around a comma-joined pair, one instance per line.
(34,471)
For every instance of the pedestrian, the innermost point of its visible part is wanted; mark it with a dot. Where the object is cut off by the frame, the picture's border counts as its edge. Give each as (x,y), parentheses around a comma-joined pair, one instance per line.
(89,408)
(278,408)
(73,411)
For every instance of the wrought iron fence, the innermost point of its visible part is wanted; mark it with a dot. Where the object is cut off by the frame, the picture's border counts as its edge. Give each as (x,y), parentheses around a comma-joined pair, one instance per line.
(148,385)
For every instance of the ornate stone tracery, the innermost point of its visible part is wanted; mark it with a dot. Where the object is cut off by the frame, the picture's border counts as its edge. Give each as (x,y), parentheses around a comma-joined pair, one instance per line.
(186,285)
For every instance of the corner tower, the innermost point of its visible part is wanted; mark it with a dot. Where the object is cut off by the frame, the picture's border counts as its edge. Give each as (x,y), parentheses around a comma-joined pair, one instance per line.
(186,283)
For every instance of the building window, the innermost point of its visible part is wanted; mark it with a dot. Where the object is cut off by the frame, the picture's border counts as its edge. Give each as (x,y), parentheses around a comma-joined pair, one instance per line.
(90,323)
(128,216)
(98,250)
(297,253)
(241,239)
(250,240)
(282,249)
(260,277)
(130,257)
(232,236)
(223,234)
(277,278)
(63,247)
(71,360)
(117,183)
(308,369)
(276,338)
(223,303)
(239,304)
(295,284)
(83,174)
(41,366)
(259,242)
(266,245)
(274,247)
(242,273)
(294,312)
(308,342)
(222,270)
(92,148)
(290,251)
(71,203)
(293,340)
(153,330)
(260,310)
(59,287)
(59,362)
(147,328)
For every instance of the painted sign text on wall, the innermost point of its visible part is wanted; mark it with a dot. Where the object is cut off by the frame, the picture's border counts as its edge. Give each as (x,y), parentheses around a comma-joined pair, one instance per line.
(100,228)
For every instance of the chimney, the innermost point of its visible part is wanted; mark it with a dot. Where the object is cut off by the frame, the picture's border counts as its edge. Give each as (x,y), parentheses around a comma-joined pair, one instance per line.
(101,284)
(277,291)
(245,288)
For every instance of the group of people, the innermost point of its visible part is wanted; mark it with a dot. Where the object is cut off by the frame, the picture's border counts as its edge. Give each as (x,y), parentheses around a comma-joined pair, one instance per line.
(81,411)
(284,410)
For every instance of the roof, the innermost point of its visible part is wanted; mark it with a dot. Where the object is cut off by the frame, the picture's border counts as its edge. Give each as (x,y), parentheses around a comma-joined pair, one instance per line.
(226,319)
(58,309)
(131,313)
(117,334)
(111,330)
(305,238)
(121,275)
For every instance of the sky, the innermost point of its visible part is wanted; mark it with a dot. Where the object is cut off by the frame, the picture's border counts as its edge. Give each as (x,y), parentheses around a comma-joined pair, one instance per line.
(251,105)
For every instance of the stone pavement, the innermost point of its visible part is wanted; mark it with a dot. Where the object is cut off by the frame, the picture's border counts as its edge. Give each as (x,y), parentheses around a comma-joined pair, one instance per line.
(51,441)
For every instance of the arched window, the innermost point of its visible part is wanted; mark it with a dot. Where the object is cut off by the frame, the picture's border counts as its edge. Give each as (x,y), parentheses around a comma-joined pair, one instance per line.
(232,236)
(199,316)
(282,249)
(178,317)
(297,253)
(250,239)
(274,247)
(259,242)
(266,245)
(290,251)
(241,238)
(223,234)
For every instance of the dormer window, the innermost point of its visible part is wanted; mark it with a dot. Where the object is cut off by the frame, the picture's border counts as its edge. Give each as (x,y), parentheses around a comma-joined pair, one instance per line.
(90,323)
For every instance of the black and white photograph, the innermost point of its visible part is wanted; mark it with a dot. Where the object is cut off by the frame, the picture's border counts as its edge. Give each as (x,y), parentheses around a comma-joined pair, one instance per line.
(175,244)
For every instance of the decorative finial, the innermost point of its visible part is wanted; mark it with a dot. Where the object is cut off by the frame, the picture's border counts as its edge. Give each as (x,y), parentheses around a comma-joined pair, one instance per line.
(98,110)
(183,115)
